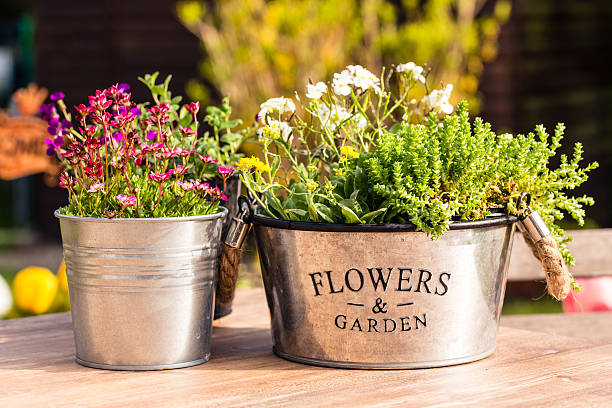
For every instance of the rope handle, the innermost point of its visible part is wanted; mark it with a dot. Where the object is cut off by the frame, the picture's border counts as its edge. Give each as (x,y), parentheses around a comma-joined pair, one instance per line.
(544,247)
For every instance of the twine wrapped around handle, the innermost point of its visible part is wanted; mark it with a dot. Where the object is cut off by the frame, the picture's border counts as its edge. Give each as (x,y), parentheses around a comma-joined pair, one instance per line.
(232,252)
(228,273)
(544,247)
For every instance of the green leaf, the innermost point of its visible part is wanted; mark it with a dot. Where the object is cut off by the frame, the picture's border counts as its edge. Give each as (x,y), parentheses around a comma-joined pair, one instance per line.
(324,211)
(230,124)
(275,165)
(312,212)
(296,214)
(372,215)
(231,137)
(349,216)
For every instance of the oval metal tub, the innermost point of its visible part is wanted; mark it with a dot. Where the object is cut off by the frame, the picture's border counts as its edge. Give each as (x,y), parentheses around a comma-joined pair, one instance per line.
(384,296)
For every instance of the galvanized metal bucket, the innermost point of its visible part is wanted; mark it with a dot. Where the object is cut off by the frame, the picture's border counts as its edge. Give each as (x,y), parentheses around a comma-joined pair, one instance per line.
(142,289)
(384,296)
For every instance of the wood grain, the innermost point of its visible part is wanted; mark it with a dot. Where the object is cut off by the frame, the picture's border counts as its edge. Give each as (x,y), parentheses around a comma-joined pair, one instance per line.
(37,369)
(591,248)
(594,326)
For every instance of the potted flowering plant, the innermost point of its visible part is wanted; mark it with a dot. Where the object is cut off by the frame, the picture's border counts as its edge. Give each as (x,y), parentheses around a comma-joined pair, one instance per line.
(384,220)
(142,228)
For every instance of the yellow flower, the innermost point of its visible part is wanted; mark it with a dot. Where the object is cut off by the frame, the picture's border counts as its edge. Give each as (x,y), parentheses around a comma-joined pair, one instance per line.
(312,185)
(349,151)
(248,163)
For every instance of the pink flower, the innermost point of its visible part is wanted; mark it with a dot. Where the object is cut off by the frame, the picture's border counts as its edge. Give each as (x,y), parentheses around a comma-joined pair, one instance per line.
(126,200)
(65,181)
(83,110)
(157,146)
(206,159)
(202,186)
(94,187)
(216,194)
(186,152)
(193,107)
(225,171)
(187,131)
(180,170)
(158,114)
(186,185)
(160,178)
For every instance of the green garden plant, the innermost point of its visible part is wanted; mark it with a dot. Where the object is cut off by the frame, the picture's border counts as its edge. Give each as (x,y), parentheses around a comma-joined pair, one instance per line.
(363,150)
(123,159)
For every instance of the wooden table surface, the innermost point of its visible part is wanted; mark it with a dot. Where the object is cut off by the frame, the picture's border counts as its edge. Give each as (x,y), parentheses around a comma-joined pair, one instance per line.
(529,369)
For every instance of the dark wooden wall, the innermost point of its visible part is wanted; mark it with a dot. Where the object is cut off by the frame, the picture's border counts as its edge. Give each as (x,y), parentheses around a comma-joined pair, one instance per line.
(88,45)
(82,46)
(555,65)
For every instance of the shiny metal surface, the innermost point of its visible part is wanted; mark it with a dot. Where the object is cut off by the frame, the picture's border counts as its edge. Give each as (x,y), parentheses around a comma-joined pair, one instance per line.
(141,290)
(232,191)
(378,299)
(534,226)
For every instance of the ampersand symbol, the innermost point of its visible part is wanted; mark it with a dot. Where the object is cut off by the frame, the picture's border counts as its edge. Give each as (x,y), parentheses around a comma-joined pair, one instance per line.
(380,306)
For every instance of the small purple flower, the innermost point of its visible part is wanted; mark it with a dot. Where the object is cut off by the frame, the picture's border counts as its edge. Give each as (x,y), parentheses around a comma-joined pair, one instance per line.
(47,111)
(66,124)
(56,96)
(123,87)
(225,171)
(119,138)
(126,200)
(54,144)
(136,111)
(152,135)
(95,187)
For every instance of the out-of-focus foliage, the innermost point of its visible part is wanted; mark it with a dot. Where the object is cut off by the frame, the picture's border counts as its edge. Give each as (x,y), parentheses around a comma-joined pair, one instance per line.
(257,49)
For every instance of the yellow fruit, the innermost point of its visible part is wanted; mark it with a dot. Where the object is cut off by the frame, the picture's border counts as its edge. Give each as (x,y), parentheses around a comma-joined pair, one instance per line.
(34,289)
(61,277)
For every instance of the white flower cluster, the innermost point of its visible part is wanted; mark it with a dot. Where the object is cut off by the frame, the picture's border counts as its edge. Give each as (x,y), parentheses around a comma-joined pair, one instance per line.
(357,76)
(439,100)
(414,72)
(331,119)
(278,105)
(316,91)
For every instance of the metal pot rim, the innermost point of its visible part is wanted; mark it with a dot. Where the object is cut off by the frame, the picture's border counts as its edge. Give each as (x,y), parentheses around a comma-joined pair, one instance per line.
(491,221)
(216,215)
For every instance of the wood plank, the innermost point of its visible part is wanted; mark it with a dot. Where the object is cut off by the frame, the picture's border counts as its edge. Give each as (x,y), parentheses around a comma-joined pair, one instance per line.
(37,369)
(594,326)
(591,248)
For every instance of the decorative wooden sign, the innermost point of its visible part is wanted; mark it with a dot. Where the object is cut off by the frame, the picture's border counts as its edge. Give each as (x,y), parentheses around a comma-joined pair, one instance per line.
(22,138)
